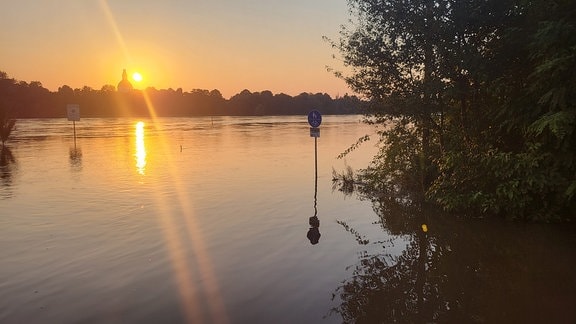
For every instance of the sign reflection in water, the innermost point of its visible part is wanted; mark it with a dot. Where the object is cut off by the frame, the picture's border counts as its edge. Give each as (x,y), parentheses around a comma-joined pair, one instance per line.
(140,148)
(216,232)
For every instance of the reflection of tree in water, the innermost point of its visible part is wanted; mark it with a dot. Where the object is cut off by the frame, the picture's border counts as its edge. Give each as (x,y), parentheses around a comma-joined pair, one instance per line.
(473,271)
(6,157)
(7,161)
(386,288)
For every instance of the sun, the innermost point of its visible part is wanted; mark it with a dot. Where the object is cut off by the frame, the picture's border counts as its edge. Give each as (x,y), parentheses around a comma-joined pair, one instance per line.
(136,76)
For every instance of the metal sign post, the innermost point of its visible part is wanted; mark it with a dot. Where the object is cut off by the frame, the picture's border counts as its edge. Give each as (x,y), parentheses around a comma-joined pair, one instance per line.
(314,119)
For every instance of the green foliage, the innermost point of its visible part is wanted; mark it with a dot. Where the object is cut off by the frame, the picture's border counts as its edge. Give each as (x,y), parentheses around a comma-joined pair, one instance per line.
(354,146)
(345,181)
(558,124)
(483,99)
(525,185)
(395,172)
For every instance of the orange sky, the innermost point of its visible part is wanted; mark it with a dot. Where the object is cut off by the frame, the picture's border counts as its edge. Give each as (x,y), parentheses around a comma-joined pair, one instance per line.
(227,45)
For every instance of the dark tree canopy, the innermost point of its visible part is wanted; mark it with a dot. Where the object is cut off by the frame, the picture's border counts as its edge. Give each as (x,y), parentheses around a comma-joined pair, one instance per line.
(478,99)
(23,100)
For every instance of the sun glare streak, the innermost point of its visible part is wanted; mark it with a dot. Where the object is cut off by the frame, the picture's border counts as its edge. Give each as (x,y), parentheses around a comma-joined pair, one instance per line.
(174,240)
(182,270)
(115,29)
(140,148)
(181,265)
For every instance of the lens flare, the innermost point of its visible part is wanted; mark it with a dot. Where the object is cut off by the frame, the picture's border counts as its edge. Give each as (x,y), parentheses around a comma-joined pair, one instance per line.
(176,241)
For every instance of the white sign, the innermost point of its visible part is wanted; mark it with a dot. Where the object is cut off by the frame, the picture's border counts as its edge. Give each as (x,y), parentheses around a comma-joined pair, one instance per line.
(73,112)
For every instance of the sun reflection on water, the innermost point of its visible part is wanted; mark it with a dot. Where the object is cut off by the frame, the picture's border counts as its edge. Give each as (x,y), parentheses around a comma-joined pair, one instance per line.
(140,148)
(175,241)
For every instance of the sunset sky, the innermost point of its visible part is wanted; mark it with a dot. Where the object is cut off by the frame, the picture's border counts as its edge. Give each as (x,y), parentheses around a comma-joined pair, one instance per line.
(228,45)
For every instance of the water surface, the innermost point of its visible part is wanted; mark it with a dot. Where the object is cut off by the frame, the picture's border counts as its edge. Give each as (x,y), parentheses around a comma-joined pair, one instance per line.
(179,219)
(206,220)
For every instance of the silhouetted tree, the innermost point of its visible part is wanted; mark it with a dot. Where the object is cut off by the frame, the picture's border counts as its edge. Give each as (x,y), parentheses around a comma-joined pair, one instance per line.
(476,98)
(33,100)
(108,88)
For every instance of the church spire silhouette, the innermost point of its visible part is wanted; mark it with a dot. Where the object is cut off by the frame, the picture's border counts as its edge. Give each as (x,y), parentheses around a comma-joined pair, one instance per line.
(124,85)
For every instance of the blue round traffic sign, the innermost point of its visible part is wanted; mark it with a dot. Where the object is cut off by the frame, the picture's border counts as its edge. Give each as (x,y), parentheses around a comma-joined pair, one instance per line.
(314,118)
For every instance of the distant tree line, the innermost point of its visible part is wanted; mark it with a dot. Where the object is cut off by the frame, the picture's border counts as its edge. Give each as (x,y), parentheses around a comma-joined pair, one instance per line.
(19,99)
(478,99)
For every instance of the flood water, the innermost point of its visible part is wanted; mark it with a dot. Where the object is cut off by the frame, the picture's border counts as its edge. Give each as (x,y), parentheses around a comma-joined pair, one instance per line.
(206,220)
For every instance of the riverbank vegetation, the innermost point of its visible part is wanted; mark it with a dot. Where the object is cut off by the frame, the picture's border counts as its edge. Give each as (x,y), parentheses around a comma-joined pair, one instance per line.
(32,100)
(475,102)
